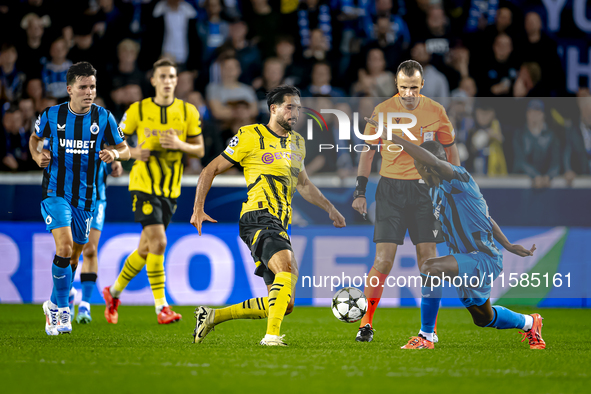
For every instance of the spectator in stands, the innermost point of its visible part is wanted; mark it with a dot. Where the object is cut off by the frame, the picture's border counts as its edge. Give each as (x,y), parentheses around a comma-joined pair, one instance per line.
(436,85)
(389,40)
(53,16)
(541,49)
(212,29)
(47,102)
(34,90)
(173,34)
(437,37)
(295,73)
(11,78)
(536,148)
(485,142)
(123,97)
(125,72)
(466,88)
(27,108)
(273,73)
(264,26)
(374,80)
(112,23)
(528,81)
(241,115)
(14,142)
(314,14)
(54,72)
(495,76)
(211,136)
(185,84)
(247,53)
(577,155)
(34,49)
(317,51)
(230,89)
(457,65)
(504,24)
(85,49)
(321,83)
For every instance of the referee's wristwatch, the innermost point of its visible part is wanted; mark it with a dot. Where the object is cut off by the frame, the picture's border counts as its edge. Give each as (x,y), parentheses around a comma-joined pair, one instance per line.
(360,187)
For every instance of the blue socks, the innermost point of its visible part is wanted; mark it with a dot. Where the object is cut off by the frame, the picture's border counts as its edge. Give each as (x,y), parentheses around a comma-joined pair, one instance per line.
(88,284)
(62,281)
(429,306)
(505,318)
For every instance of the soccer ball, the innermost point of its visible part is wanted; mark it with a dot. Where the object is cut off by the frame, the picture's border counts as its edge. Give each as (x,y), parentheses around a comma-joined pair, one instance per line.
(349,304)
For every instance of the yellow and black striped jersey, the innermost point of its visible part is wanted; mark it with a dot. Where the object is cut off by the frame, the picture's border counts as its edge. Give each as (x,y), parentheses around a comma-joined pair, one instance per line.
(271,168)
(161,175)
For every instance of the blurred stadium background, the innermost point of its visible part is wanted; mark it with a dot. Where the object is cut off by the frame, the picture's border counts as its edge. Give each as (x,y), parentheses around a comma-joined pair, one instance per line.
(514,76)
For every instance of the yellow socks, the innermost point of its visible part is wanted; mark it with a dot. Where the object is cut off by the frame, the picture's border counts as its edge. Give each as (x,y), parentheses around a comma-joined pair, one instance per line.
(133,265)
(155,268)
(255,308)
(279,297)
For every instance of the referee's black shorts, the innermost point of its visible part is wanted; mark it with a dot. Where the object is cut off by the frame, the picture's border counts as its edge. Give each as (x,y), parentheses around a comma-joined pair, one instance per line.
(151,209)
(264,235)
(401,205)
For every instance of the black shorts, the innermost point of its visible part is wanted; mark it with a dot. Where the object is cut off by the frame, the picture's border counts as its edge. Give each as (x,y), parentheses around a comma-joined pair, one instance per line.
(150,209)
(402,205)
(264,235)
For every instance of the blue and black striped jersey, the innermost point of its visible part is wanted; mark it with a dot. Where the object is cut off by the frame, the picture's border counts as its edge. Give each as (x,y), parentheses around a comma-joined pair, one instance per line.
(463,213)
(75,143)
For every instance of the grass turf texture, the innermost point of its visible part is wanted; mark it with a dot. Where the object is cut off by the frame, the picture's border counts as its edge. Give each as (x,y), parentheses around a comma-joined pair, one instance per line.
(138,355)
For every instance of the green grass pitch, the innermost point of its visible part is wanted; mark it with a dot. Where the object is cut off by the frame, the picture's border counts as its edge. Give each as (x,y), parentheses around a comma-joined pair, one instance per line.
(139,356)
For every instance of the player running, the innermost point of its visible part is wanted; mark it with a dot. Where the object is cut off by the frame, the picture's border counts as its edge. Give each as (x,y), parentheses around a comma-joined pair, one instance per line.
(273,159)
(88,273)
(166,129)
(402,198)
(468,231)
(77,130)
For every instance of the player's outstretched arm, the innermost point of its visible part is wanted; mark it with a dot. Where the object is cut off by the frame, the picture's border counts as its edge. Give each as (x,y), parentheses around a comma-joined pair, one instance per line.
(41,156)
(515,249)
(311,194)
(119,152)
(442,168)
(213,169)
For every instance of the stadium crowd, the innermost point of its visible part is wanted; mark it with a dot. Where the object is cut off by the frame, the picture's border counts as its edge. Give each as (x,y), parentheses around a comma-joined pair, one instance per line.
(230,52)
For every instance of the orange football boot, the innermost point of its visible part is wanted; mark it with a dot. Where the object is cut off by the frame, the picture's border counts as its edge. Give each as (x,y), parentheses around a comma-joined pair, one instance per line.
(167,316)
(534,335)
(418,343)
(112,304)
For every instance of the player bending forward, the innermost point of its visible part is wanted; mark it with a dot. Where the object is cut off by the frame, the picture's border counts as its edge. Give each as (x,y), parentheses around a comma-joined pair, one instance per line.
(273,159)
(468,231)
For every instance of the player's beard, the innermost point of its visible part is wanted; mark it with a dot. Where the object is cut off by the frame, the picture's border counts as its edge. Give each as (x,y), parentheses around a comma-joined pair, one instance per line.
(284,123)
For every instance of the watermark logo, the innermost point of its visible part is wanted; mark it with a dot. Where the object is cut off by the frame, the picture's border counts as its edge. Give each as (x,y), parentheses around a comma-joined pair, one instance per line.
(317,117)
(383,130)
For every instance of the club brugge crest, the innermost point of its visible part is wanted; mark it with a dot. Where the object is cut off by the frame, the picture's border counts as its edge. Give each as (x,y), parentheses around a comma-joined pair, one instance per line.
(94,129)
